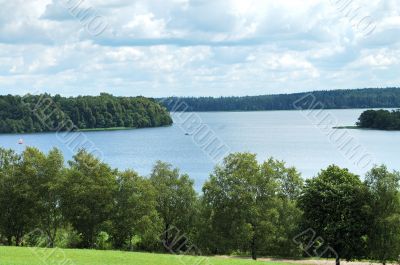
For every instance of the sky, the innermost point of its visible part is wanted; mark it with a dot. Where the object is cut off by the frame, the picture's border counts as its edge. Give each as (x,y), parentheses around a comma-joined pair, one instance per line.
(160,48)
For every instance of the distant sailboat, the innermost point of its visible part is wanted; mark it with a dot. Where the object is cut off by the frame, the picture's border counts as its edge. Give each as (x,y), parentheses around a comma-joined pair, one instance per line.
(21,141)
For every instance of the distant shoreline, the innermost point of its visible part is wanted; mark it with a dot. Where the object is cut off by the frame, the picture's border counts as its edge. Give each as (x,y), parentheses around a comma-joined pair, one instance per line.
(89,130)
(118,128)
(347,127)
(366,98)
(107,129)
(361,128)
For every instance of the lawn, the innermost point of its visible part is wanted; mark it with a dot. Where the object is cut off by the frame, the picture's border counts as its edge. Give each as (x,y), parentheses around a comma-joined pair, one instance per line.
(32,256)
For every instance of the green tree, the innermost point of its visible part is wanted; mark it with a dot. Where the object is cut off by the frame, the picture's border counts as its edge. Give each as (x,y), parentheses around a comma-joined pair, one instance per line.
(17,200)
(176,199)
(33,113)
(88,196)
(45,173)
(242,198)
(384,235)
(134,213)
(290,185)
(380,119)
(335,207)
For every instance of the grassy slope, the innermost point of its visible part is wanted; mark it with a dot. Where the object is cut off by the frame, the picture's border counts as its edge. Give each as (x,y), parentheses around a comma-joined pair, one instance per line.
(28,256)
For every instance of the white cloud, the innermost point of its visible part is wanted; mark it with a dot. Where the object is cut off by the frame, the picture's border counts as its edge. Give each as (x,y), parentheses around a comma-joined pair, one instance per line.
(198,47)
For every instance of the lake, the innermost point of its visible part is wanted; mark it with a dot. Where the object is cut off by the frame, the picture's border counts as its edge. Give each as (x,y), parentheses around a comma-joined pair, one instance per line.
(303,139)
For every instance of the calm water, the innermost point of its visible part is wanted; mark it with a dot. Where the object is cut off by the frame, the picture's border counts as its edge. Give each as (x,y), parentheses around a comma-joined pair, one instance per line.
(287,135)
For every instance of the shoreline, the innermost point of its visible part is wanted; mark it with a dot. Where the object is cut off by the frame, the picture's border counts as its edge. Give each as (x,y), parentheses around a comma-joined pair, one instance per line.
(89,130)
(348,127)
(361,128)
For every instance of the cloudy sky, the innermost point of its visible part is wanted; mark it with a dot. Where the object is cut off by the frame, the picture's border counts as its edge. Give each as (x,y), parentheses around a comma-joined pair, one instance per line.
(197,47)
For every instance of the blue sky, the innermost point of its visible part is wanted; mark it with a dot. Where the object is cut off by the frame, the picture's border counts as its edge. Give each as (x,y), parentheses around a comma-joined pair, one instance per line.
(197,47)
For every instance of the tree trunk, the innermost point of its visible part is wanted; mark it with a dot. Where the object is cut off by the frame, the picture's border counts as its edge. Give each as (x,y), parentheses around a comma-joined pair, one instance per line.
(9,240)
(253,248)
(166,237)
(50,239)
(337,260)
(17,241)
(130,243)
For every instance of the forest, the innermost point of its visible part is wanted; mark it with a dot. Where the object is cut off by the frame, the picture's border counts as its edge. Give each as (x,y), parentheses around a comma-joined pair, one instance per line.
(45,113)
(332,99)
(380,120)
(246,207)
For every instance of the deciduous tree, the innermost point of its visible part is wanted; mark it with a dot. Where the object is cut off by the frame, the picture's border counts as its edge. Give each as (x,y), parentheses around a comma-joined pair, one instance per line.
(335,207)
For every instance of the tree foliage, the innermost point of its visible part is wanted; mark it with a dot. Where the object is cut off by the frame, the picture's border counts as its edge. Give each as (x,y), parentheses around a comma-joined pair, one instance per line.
(384,237)
(330,99)
(380,119)
(247,207)
(246,202)
(134,212)
(335,207)
(176,199)
(16,200)
(88,201)
(45,113)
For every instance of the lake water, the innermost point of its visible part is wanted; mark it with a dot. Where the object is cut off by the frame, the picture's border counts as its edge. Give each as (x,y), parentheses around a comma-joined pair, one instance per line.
(303,139)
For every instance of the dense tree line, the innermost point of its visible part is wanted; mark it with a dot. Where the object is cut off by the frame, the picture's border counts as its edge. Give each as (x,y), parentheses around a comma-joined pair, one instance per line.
(380,119)
(43,113)
(246,207)
(331,99)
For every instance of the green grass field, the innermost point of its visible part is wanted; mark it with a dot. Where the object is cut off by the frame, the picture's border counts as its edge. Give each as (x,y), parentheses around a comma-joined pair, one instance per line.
(33,256)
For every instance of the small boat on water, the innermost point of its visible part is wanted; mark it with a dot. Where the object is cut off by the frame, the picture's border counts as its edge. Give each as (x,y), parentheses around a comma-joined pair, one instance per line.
(21,141)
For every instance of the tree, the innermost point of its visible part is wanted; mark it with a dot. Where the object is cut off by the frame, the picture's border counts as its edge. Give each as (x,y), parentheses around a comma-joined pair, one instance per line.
(339,99)
(176,199)
(380,119)
(242,198)
(335,207)
(134,212)
(290,185)
(44,173)
(384,235)
(88,195)
(36,113)
(17,203)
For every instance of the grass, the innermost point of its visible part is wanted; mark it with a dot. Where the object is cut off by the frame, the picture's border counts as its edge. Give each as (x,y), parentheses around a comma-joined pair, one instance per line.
(37,256)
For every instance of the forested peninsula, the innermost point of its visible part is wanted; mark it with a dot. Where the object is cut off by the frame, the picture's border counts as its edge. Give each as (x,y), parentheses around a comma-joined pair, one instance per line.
(332,99)
(380,120)
(46,113)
